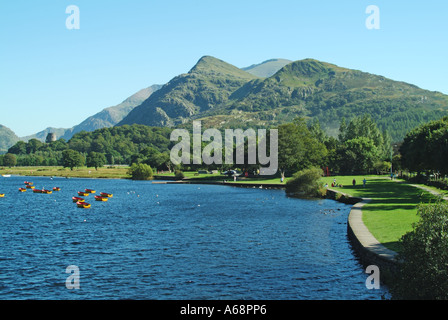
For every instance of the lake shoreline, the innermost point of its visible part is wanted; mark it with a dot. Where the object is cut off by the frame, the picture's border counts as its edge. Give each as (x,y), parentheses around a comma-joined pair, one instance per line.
(364,251)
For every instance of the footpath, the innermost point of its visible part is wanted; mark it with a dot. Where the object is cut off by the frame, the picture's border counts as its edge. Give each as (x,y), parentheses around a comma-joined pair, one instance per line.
(369,249)
(431,191)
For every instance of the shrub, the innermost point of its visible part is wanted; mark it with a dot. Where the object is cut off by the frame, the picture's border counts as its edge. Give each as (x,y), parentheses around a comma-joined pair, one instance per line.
(322,191)
(424,268)
(179,175)
(305,182)
(140,171)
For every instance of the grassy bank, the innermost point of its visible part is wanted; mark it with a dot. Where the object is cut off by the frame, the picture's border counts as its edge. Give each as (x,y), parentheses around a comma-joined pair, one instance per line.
(83,172)
(393,208)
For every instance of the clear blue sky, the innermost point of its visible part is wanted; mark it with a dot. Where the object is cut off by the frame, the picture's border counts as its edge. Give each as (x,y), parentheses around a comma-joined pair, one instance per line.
(54,77)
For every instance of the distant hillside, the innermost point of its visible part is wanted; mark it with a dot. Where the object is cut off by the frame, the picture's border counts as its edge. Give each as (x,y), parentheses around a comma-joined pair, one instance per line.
(104,119)
(7,138)
(111,116)
(223,96)
(207,85)
(267,68)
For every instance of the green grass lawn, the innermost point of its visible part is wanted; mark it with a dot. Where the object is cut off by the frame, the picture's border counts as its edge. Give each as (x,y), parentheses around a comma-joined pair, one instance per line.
(393,208)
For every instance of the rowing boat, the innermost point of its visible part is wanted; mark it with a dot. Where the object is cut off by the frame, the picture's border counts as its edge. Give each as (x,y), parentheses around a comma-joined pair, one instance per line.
(99,198)
(83,205)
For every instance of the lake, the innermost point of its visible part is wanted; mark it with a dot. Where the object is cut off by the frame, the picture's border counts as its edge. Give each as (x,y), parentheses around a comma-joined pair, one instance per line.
(174,241)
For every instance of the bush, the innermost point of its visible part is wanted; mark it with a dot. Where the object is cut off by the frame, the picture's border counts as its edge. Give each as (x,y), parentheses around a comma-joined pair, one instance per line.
(382,166)
(424,268)
(321,191)
(179,175)
(305,182)
(140,171)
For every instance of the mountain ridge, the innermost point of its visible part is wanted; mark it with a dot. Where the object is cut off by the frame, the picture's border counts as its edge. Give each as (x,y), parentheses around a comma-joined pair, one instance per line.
(304,88)
(224,96)
(107,117)
(209,83)
(7,138)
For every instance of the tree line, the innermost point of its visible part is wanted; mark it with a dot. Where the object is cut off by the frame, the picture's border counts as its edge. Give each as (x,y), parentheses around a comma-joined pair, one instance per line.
(425,149)
(361,147)
(115,146)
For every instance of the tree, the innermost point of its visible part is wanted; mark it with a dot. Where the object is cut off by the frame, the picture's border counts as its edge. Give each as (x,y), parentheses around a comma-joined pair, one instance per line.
(382,166)
(423,272)
(426,147)
(359,147)
(95,159)
(359,155)
(33,146)
(19,148)
(71,159)
(58,145)
(364,126)
(9,160)
(298,148)
(165,159)
(140,171)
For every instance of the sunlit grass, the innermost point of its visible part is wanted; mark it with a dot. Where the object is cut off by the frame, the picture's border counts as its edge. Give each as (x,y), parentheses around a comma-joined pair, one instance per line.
(393,208)
(59,171)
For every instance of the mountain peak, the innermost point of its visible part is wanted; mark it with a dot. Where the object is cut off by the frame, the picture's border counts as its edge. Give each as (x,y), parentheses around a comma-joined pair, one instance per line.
(211,65)
(306,67)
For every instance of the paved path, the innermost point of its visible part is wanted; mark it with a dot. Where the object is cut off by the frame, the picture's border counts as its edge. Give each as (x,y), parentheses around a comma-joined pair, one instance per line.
(364,236)
(367,243)
(430,191)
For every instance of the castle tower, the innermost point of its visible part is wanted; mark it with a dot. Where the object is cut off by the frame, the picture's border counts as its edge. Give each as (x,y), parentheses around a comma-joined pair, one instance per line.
(50,137)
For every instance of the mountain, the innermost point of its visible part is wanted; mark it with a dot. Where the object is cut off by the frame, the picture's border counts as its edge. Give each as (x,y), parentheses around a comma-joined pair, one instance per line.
(108,117)
(223,96)
(267,68)
(207,85)
(315,89)
(7,138)
(111,116)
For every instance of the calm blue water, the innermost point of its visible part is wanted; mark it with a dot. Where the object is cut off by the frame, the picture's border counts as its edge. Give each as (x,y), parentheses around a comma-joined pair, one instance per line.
(153,241)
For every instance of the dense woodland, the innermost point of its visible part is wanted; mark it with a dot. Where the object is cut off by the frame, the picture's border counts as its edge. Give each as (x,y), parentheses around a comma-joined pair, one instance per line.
(361,147)
(118,145)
